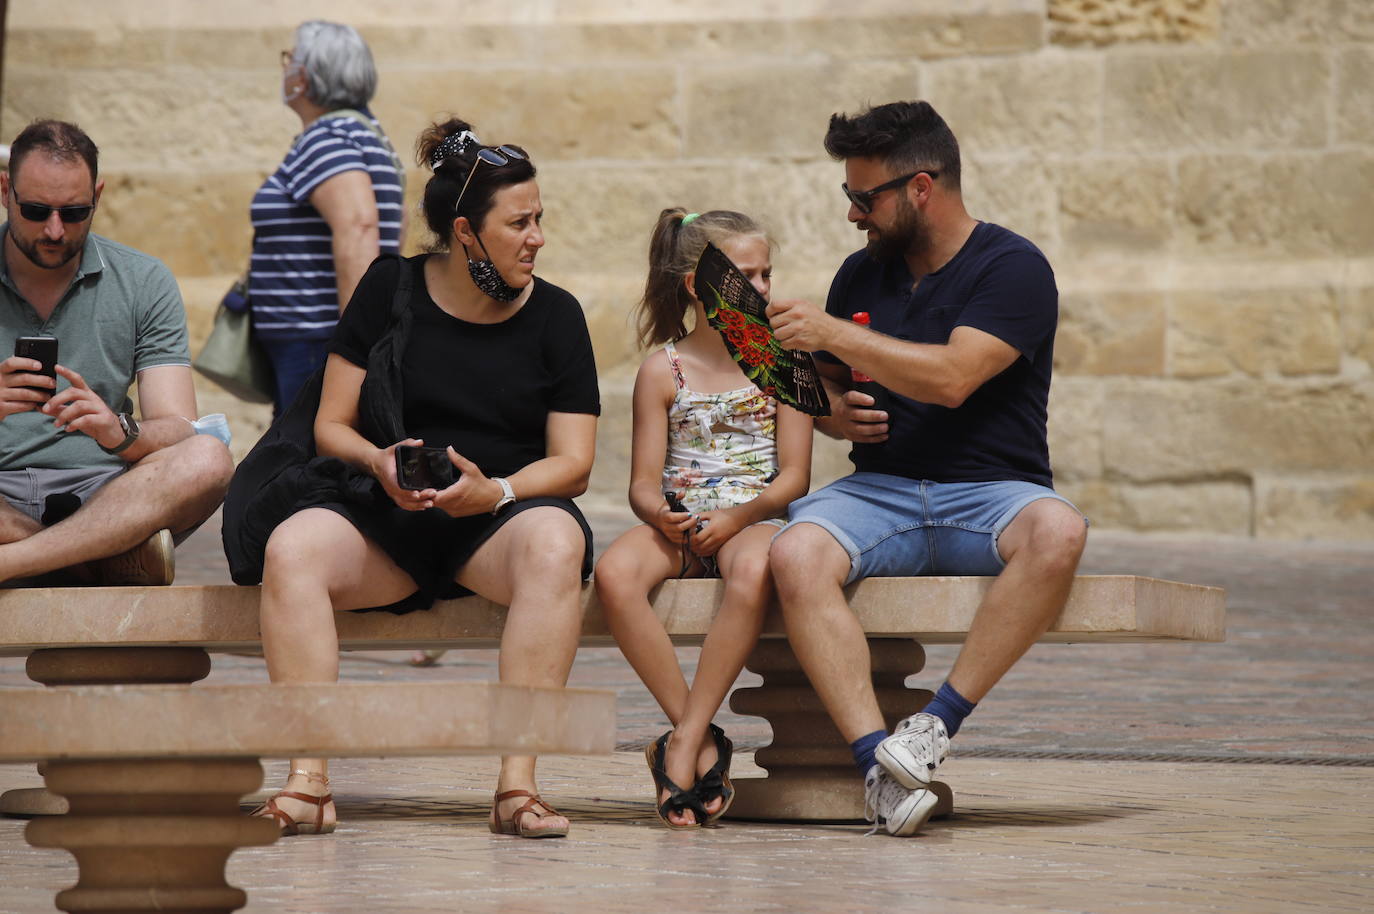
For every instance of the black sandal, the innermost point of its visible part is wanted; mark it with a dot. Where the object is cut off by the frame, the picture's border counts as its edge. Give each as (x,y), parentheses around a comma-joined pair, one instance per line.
(716,782)
(679,800)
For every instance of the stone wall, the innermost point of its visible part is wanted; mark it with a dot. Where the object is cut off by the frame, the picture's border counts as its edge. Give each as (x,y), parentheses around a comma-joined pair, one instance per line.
(1198,172)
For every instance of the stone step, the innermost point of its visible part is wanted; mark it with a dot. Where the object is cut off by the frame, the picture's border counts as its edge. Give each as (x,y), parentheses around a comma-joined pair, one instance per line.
(279,721)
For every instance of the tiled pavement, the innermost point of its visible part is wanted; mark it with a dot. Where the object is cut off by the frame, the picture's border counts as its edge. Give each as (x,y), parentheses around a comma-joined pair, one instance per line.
(1031,833)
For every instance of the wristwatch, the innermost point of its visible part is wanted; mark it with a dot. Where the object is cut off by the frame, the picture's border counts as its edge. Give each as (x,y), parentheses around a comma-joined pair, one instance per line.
(507,494)
(130,427)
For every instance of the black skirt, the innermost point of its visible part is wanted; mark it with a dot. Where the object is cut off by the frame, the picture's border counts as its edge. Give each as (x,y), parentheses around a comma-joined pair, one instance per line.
(432,547)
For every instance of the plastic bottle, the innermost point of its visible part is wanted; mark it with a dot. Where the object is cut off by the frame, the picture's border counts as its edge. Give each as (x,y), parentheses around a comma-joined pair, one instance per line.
(862,382)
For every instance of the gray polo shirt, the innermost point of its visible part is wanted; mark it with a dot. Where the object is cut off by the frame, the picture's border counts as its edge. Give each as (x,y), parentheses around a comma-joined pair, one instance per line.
(122,314)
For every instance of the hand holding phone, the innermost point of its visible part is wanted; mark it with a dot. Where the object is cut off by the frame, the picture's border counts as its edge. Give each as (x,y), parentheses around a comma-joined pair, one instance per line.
(424,468)
(42,349)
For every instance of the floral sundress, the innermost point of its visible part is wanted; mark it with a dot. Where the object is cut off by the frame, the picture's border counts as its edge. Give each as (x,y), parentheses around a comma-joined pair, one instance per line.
(722,447)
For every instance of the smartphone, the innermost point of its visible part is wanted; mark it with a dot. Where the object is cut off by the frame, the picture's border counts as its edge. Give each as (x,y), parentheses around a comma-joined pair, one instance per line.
(43,349)
(424,468)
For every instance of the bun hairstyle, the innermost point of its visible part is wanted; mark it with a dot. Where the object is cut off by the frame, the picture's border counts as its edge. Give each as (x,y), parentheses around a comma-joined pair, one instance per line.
(449,149)
(674,249)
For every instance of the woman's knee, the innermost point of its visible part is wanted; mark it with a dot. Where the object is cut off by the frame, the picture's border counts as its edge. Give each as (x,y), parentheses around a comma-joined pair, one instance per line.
(551,540)
(300,547)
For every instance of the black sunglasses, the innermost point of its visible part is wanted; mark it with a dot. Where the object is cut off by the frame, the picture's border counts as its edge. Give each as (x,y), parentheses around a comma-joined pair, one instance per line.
(863,199)
(39,212)
(492,155)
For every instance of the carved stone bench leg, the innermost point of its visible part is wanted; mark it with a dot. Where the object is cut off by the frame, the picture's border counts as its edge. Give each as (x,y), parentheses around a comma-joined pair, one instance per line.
(152,834)
(99,666)
(811,775)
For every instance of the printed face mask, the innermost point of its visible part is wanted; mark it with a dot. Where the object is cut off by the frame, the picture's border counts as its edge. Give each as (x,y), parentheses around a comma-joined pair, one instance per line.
(486,277)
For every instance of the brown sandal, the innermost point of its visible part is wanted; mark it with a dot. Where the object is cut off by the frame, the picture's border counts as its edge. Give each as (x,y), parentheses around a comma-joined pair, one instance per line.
(289,826)
(513,826)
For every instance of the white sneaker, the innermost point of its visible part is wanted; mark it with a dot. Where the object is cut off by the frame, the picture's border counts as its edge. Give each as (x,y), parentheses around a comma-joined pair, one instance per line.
(900,810)
(915,750)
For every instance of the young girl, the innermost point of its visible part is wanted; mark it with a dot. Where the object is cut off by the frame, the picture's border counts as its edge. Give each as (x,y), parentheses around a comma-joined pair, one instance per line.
(734,459)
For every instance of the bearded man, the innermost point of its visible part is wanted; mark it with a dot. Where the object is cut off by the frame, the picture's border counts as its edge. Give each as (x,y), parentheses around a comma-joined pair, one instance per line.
(952,471)
(86,488)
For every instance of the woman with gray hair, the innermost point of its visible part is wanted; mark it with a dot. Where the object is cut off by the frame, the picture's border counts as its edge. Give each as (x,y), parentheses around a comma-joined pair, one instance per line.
(329,209)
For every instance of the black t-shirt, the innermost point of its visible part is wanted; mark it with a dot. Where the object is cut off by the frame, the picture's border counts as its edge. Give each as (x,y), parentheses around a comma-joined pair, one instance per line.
(485,389)
(1001,284)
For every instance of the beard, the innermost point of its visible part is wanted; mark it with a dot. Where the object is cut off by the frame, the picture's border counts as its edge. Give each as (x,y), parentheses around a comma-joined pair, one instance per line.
(48,255)
(909,234)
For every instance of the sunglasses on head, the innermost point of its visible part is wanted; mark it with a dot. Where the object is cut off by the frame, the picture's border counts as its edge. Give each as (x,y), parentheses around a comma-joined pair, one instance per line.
(863,199)
(40,212)
(492,155)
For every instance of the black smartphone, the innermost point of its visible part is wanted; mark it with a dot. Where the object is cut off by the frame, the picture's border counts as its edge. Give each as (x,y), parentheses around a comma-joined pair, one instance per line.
(43,349)
(423,468)
(674,503)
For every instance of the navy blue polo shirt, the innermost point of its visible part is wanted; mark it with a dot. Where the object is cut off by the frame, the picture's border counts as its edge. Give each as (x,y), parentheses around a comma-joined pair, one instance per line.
(1001,284)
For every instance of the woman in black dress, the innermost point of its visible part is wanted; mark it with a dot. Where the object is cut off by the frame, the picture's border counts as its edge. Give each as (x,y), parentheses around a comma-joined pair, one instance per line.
(494,365)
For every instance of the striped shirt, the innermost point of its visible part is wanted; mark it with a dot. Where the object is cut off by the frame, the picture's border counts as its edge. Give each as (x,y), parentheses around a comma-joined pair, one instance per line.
(292,283)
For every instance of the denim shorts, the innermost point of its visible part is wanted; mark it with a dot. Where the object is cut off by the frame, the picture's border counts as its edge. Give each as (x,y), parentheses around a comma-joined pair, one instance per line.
(892,526)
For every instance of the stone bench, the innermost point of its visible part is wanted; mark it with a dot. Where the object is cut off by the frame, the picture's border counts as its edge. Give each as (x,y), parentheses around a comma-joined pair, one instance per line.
(154,773)
(161,634)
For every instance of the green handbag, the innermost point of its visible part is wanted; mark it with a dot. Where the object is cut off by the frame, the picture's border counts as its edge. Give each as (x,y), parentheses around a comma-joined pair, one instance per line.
(231,357)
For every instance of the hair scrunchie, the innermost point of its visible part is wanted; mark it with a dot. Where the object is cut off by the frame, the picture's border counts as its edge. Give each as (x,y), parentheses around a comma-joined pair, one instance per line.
(453,145)
(689,218)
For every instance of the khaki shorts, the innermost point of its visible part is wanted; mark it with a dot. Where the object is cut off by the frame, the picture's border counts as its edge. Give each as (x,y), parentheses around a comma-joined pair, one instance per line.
(38,491)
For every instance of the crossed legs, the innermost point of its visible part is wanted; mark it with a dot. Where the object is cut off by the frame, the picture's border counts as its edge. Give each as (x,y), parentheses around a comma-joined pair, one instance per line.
(176,487)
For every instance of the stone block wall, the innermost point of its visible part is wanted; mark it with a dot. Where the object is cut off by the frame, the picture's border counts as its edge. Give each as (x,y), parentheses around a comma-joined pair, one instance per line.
(1197,171)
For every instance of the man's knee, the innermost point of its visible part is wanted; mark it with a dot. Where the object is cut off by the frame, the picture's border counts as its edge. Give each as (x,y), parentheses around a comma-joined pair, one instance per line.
(805,555)
(1054,535)
(208,462)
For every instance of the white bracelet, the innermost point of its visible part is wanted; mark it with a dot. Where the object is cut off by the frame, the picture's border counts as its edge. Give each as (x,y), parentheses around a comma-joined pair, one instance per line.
(507,494)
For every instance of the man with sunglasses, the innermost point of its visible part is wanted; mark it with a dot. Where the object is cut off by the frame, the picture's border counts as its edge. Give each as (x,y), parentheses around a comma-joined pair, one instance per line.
(952,472)
(85,487)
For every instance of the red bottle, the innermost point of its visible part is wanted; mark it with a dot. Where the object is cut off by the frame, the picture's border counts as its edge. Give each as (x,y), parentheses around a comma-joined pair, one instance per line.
(861,318)
(862,382)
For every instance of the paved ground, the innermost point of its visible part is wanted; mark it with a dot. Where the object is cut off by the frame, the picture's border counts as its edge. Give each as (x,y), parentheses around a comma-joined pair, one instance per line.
(1278,820)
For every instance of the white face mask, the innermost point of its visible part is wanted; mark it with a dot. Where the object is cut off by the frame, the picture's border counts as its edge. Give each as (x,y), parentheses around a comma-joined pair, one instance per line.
(290,95)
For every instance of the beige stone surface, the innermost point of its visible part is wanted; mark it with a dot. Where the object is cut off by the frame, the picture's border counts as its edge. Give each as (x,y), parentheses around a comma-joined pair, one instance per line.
(1329,507)
(1254,333)
(334,719)
(933,609)
(1190,158)
(1075,427)
(1228,206)
(1157,432)
(1242,99)
(1355,95)
(1050,101)
(1111,334)
(1117,204)
(781,108)
(1102,22)
(1223,507)
(1358,324)
(1049,835)
(1016,191)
